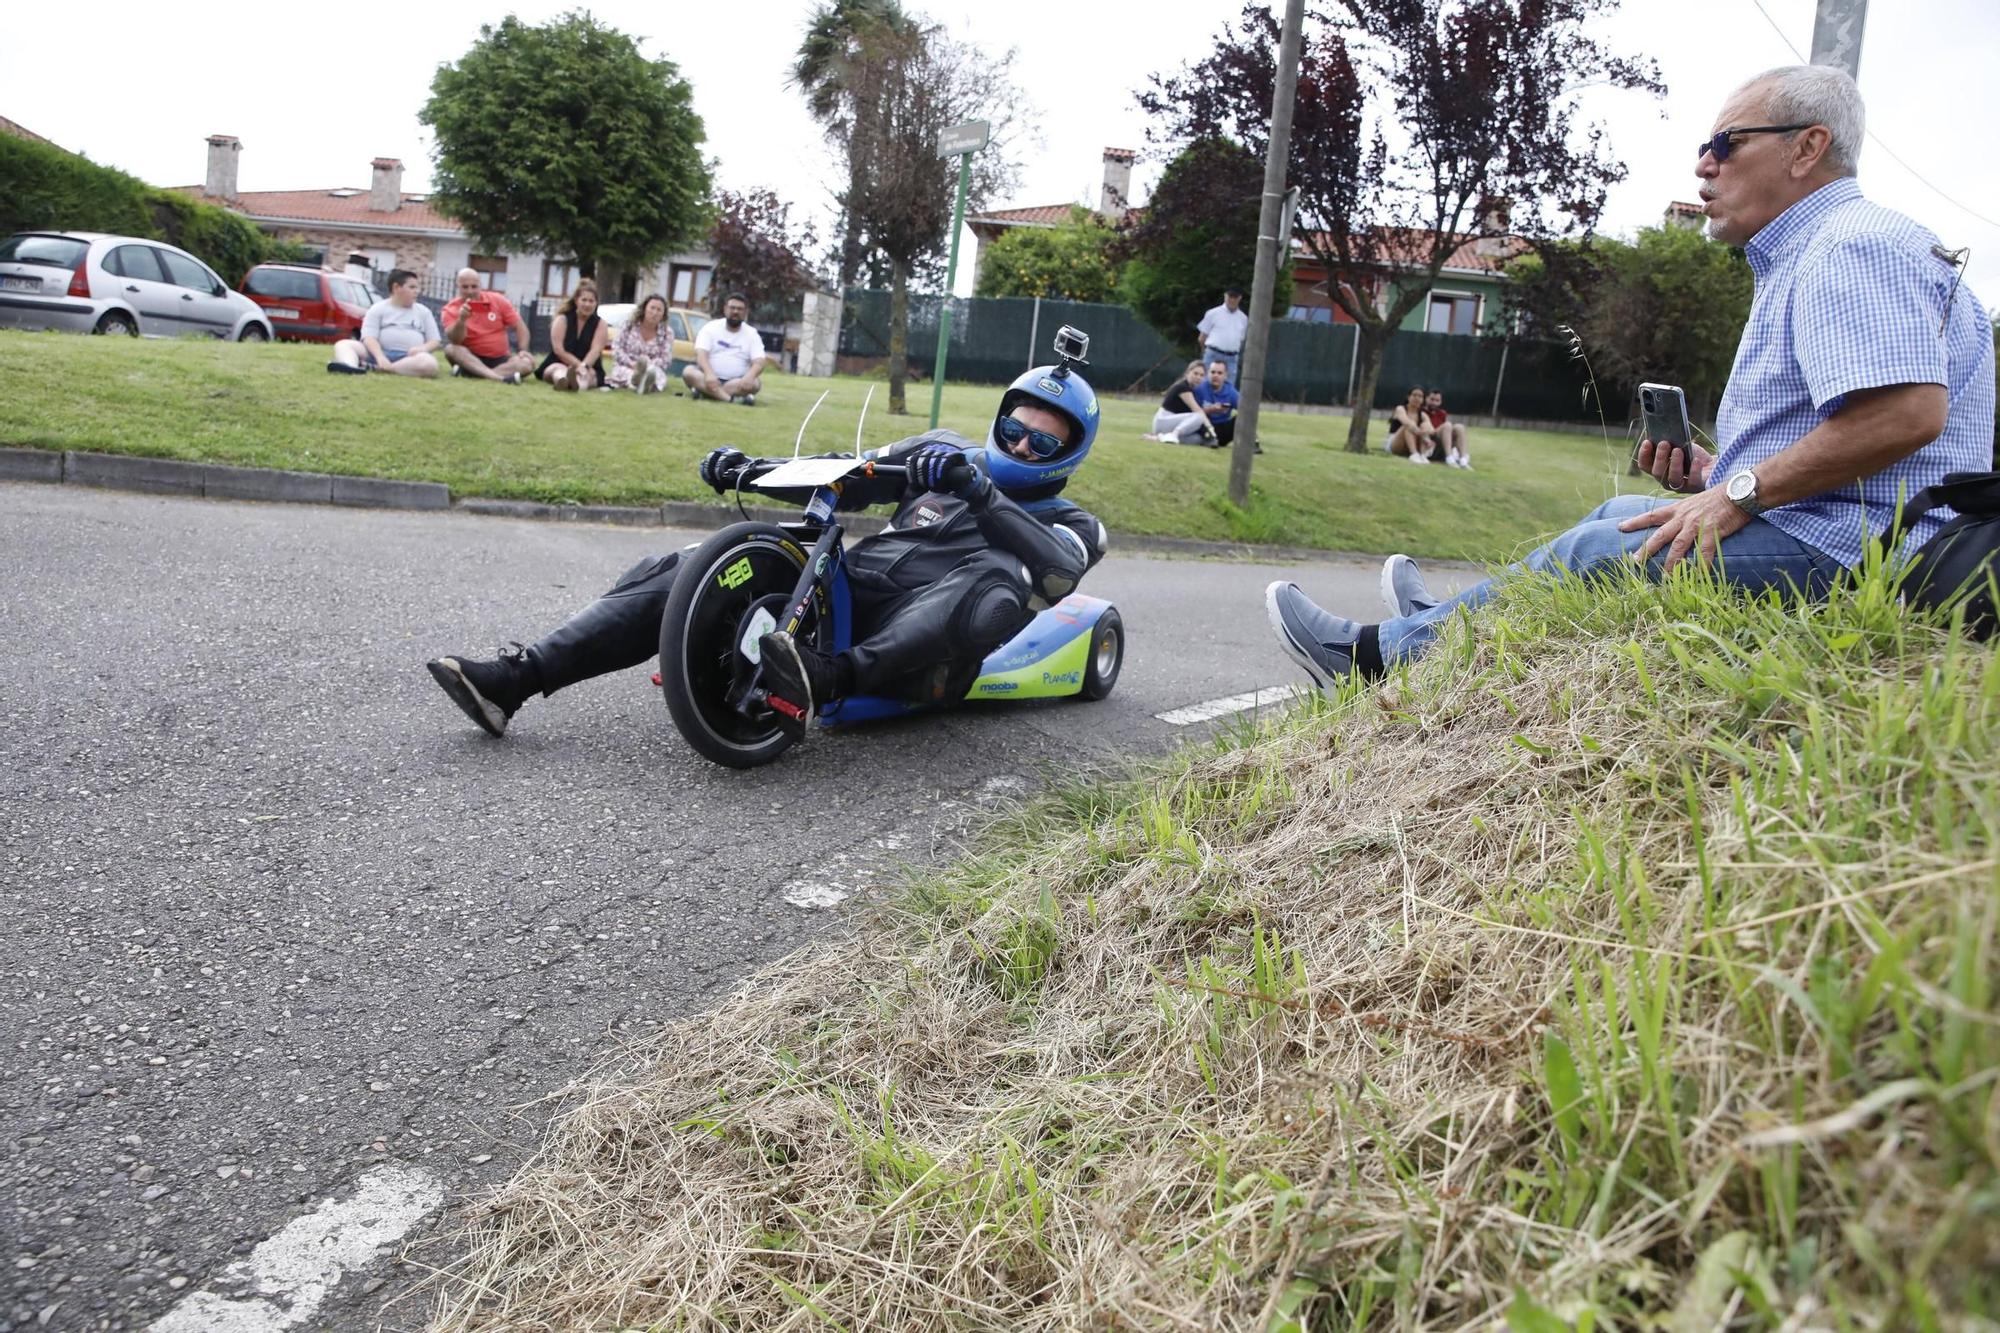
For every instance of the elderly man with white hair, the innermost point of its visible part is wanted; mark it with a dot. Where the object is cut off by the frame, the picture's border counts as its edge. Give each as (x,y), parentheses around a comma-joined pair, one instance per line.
(476,324)
(1864,375)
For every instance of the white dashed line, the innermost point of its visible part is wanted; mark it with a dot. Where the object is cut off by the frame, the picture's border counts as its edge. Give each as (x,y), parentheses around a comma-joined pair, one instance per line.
(287,1278)
(1235,703)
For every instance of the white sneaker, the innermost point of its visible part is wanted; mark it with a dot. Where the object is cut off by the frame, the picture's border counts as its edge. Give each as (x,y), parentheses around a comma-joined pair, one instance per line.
(642,376)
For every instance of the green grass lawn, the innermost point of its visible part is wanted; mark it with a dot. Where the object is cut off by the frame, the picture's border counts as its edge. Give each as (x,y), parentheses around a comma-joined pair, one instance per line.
(274,406)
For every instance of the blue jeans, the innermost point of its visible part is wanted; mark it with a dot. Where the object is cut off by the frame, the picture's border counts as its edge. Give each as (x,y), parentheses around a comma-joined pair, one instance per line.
(1757,557)
(1230,359)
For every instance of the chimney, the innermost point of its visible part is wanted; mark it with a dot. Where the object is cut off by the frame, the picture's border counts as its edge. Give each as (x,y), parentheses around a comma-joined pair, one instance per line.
(1116,196)
(223,150)
(1496,220)
(385,188)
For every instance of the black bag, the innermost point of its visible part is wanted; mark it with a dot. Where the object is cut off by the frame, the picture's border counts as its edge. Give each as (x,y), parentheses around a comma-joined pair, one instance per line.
(1966,550)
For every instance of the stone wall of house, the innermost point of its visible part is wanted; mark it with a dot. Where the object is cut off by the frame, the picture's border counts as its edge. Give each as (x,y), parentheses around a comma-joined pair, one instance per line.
(416,253)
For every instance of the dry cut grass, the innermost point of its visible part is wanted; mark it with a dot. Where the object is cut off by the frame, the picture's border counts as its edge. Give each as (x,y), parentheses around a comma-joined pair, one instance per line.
(1628,963)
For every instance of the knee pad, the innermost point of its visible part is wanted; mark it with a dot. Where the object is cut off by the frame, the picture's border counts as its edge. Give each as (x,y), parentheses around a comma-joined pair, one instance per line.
(992,611)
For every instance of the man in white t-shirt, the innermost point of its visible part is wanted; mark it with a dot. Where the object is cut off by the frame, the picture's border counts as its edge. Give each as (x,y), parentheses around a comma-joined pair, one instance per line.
(1221,331)
(728,357)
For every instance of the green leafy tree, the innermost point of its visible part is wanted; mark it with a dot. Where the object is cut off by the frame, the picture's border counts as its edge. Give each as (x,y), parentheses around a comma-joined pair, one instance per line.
(565,138)
(1069,262)
(1668,306)
(1197,236)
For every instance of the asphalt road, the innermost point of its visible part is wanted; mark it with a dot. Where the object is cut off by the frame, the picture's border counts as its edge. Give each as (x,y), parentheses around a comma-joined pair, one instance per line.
(279,921)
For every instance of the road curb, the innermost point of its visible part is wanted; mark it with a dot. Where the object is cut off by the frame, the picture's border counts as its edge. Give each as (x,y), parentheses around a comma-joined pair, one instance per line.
(216,481)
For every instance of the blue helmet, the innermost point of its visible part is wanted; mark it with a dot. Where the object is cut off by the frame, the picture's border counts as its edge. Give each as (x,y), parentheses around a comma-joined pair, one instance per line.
(1062,391)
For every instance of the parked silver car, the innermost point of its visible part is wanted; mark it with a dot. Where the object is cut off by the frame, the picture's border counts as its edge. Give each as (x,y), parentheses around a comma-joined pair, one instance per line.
(86,282)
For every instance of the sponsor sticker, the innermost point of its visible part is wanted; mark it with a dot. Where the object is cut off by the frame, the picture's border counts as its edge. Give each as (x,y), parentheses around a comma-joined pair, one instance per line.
(1053,388)
(1062,677)
(998,686)
(926,515)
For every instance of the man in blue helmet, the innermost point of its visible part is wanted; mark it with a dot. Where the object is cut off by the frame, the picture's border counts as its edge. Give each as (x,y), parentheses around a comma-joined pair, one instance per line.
(980,540)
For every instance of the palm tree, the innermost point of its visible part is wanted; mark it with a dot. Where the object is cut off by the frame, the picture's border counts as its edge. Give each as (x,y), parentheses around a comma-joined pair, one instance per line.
(826,71)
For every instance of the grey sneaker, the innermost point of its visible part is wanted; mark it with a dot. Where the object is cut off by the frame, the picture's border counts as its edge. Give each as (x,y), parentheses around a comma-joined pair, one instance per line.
(1403,590)
(749,400)
(1319,641)
(642,376)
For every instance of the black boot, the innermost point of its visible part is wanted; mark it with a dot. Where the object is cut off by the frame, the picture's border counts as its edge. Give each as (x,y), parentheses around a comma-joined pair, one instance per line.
(490,693)
(798,678)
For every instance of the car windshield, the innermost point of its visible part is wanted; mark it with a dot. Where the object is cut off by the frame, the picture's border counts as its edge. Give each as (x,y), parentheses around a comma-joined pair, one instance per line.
(54,251)
(357,295)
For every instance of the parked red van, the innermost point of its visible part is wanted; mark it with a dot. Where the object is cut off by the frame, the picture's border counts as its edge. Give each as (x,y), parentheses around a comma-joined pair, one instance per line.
(307,304)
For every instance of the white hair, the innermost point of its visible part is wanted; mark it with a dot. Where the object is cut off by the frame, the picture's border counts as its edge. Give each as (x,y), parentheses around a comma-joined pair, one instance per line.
(1818,95)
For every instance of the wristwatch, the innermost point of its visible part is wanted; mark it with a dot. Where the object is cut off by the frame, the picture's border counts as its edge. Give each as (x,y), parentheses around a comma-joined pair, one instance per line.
(1741,488)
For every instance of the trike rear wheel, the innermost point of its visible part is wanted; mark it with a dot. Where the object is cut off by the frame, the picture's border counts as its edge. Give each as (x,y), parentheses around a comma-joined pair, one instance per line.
(703,673)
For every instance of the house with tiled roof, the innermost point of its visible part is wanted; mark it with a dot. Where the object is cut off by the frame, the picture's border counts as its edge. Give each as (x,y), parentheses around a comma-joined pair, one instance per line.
(391,228)
(20,131)
(1464,298)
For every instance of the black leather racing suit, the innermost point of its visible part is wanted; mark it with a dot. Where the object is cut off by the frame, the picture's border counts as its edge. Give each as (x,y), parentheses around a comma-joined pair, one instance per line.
(945,583)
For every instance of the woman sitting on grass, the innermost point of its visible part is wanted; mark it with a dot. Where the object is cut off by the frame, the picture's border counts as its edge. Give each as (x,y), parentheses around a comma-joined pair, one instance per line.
(1179,418)
(1411,434)
(643,349)
(577,337)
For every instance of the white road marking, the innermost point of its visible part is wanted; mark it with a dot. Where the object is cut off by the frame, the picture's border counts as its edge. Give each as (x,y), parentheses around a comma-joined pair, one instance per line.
(290,1274)
(1235,703)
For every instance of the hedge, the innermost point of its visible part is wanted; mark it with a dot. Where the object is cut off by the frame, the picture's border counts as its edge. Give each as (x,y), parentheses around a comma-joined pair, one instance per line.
(42,187)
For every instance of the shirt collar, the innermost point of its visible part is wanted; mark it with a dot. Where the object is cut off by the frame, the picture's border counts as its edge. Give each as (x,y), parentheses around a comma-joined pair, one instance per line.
(1799,221)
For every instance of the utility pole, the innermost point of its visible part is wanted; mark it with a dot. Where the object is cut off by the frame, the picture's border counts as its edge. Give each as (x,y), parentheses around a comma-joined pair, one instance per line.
(1269,218)
(960,141)
(1837,28)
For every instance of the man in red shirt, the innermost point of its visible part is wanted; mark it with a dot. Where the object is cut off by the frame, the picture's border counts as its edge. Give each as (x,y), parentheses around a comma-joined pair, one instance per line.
(1450,433)
(476,323)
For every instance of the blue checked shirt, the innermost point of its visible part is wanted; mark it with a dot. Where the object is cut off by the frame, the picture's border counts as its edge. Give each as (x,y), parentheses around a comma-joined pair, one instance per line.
(1849,296)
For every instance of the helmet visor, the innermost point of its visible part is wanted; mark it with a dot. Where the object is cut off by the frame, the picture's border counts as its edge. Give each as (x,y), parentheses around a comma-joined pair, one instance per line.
(1011,431)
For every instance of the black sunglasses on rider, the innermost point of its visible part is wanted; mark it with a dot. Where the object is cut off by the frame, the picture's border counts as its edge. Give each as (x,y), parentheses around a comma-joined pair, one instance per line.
(1041,444)
(1720,144)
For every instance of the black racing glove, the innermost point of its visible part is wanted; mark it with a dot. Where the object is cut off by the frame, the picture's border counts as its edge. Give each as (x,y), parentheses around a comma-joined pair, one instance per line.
(722,467)
(940,467)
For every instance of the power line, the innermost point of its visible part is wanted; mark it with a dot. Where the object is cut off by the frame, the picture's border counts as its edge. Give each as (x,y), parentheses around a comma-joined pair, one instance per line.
(1876,138)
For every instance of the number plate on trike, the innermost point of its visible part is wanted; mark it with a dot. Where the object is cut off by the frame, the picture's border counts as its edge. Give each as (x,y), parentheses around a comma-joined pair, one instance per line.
(806,472)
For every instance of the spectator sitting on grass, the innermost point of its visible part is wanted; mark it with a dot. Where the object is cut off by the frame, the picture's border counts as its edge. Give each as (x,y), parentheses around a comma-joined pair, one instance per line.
(1864,375)
(476,328)
(644,347)
(1411,434)
(729,357)
(1179,419)
(397,335)
(1218,399)
(576,340)
(1450,434)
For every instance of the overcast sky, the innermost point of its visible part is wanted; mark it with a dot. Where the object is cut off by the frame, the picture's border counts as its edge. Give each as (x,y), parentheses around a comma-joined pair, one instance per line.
(314,92)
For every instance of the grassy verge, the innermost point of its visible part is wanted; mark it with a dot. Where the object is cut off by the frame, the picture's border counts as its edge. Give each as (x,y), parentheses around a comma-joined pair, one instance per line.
(276,407)
(1628,963)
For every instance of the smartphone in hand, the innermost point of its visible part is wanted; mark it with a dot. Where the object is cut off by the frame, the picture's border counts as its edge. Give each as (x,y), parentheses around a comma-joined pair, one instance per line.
(1663,415)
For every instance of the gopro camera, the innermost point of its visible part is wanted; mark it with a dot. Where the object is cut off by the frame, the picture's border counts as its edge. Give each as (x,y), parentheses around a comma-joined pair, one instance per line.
(1072,344)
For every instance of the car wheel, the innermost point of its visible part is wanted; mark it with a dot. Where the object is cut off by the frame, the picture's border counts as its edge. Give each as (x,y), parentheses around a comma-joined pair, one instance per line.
(253,333)
(118,322)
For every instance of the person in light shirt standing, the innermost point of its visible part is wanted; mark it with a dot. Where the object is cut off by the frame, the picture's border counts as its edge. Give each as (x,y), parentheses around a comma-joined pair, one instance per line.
(728,356)
(1222,330)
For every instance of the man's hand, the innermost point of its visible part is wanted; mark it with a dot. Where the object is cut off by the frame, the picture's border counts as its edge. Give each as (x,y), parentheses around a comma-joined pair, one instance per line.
(1698,524)
(721,468)
(1664,463)
(939,467)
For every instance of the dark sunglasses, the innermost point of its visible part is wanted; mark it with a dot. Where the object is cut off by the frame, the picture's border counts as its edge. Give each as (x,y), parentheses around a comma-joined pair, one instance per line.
(1041,444)
(1720,144)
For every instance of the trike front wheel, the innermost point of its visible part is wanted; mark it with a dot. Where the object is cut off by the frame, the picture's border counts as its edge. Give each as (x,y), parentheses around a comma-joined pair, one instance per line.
(725,587)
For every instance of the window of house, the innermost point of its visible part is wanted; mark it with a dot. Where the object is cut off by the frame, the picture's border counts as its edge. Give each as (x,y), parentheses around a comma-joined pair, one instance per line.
(558,278)
(1451,312)
(688,285)
(1311,314)
(382,261)
(311,254)
(492,271)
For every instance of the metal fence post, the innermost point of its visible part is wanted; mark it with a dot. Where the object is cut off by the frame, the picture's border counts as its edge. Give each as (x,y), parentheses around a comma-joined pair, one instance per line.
(1034,332)
(1500,376)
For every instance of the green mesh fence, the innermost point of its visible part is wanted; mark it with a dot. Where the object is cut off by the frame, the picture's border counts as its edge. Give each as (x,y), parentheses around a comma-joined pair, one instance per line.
(995,339)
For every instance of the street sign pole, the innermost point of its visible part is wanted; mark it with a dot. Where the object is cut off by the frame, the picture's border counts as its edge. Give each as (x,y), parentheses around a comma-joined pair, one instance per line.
(960,141)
